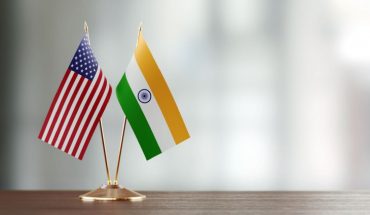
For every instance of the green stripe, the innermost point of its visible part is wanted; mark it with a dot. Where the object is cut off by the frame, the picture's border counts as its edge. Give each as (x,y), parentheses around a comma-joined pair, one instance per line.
(137,120)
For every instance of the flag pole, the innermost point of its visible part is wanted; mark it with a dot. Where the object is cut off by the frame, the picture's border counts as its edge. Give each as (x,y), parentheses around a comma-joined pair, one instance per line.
(112,191)
(86,29)
(124,124)
(120,150)
(104,151)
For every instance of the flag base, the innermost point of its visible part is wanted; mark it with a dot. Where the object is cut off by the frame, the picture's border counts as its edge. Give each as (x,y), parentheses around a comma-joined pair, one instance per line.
(111,193)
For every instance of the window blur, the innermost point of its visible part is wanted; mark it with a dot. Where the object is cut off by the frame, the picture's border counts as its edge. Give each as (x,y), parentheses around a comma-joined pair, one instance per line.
(275,93)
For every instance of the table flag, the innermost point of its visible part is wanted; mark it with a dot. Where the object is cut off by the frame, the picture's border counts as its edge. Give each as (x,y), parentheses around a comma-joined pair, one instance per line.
(78,104)
(149,105)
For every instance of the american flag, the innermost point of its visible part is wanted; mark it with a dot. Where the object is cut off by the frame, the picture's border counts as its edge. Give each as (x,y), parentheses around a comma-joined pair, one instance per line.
(78,104)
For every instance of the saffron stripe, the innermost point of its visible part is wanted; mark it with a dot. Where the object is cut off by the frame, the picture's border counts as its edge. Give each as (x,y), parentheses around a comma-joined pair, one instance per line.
(161,91)
(137,119)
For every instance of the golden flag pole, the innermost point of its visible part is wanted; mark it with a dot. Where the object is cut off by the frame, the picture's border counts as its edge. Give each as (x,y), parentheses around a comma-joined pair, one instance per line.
(86,29)
(124,124)
(104,151)
(112,191)
(120,150)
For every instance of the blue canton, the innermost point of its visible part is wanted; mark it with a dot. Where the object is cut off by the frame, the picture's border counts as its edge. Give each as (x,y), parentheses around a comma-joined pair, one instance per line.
(84,62)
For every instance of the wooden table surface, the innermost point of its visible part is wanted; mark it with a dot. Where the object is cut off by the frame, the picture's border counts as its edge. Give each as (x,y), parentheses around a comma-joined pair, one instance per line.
(67,202)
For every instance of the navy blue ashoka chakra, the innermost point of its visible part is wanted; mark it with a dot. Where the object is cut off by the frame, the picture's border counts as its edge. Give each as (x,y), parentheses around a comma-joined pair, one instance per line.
(144,96)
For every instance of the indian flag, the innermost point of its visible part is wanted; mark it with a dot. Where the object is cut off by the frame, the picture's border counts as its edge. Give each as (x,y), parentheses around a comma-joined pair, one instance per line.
(149,105)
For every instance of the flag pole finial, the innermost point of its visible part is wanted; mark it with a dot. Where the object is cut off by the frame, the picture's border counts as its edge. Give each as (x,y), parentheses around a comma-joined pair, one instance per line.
(140,26)
(139,32)
(86,27)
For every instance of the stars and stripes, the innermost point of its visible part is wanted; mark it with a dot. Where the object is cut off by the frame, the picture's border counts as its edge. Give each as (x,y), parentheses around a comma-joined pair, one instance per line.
(78,104)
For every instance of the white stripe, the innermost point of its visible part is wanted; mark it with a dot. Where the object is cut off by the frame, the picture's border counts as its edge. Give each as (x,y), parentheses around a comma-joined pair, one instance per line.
(151,109)
(65,105)
(55,108)
(96,112)
(86,115)
(67,119)
(73,125)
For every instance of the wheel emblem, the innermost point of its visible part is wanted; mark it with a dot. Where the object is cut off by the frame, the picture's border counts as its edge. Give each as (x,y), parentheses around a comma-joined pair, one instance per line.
(144,96)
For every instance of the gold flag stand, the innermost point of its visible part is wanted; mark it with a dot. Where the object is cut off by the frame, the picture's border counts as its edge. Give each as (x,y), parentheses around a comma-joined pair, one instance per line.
(112,191)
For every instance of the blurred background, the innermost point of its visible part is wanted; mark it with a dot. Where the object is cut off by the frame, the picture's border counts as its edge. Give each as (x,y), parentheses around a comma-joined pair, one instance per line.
(275,93)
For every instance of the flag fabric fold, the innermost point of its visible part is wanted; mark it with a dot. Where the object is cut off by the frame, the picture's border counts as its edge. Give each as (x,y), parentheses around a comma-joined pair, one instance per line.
(78,104)
(148,104)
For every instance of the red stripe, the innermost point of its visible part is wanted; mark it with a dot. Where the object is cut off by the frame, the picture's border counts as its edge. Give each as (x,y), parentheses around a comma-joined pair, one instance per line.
(89,117)
(47,118)
(95,123)
(84,110)
(67,110)
(60,106)
(73,116)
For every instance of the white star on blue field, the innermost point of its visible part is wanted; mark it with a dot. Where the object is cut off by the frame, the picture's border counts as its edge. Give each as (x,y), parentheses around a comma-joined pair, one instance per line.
(84,61)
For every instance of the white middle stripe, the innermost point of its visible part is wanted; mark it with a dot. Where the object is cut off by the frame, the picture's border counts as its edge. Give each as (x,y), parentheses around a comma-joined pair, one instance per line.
(151,109)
